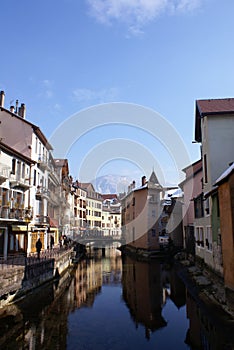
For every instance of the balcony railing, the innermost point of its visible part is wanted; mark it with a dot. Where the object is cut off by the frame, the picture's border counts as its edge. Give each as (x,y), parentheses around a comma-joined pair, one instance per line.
(42,193)
(18,181)
(54,176)
(16,213)
(4,172)
(42,220)
(43,161)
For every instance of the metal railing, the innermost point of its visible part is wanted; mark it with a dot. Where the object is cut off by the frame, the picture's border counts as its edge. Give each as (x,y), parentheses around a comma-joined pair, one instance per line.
(14,261)
(15,213)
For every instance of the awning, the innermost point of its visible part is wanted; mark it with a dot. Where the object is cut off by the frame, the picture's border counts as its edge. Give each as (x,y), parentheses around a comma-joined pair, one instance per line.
(18,228)
(54,223)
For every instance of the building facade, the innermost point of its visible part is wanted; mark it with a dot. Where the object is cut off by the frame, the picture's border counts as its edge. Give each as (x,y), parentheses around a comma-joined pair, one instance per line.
(214,129)
(141,209)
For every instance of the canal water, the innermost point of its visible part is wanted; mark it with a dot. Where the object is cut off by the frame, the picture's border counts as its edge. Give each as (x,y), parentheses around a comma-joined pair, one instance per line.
(110,303)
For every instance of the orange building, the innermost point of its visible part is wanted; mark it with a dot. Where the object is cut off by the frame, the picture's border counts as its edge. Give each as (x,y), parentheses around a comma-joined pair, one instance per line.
(226,206)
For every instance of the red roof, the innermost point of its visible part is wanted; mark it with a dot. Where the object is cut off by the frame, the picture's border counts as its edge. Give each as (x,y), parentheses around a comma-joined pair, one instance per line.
(214,106)
(211,107)
(109,196)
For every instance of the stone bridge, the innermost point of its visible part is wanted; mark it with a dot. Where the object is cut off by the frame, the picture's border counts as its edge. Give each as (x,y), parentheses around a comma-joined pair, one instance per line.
(98,239)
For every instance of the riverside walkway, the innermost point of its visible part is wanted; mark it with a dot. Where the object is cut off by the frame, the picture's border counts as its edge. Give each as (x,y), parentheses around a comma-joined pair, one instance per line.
(12,261)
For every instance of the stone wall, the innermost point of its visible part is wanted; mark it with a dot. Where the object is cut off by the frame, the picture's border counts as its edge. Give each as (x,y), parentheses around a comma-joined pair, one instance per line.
(15,281)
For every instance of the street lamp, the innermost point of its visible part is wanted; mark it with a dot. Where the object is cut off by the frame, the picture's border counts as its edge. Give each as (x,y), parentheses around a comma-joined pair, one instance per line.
(27,219)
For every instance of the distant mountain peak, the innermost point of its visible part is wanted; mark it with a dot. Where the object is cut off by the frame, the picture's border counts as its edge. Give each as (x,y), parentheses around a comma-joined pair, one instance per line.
(111,183)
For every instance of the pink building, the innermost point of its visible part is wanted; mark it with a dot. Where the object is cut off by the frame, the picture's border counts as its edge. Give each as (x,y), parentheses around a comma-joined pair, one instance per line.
(192,188)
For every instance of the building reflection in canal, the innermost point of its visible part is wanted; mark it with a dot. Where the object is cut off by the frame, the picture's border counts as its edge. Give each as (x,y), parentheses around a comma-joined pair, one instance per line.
(146,287)
(111,303)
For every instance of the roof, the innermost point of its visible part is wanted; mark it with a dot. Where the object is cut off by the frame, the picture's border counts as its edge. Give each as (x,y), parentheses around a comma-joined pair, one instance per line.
(193,165)
(214,106)
(211,107)
(87,186)
(12,151)
(109,196)
(225,174)
(60,162)
(153,178)
(191,171)
(35,128)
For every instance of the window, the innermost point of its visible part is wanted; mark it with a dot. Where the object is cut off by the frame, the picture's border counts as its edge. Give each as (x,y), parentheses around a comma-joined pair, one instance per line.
(199,235)
(13,166)
(207,206)
(36,145)
(208,238)
(23,171)
(133,234)
(35,178)
(18,169)
(198,206)
(205,169)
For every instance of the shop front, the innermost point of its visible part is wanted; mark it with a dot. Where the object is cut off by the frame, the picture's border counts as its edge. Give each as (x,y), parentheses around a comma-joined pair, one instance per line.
(17,239)
(54,231)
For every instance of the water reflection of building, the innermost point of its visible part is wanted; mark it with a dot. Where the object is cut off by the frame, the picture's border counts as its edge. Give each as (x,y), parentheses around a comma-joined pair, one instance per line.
(38,321)
(208,328)
(91,274)
(87,282)
(112,267)
(143,293)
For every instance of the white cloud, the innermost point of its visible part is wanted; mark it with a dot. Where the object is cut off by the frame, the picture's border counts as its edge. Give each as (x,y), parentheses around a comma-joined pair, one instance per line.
(48,92)
(137,13)
(57,107)
(100,96)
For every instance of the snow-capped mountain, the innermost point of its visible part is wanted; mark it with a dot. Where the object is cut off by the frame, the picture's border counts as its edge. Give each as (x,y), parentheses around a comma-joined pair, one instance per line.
(111,184)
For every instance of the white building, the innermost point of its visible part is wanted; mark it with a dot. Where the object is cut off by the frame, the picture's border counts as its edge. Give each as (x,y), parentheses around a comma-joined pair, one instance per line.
(15,209)
(214,129)
(41,179)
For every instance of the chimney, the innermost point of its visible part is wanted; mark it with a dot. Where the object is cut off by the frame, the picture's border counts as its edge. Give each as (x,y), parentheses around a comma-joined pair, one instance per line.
(16,106)
(22,111)
(143,180)
(2,98)
(12,109)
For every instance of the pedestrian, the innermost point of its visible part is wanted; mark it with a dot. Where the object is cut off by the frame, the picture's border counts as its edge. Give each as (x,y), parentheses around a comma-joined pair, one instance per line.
(51,242)
(38,247)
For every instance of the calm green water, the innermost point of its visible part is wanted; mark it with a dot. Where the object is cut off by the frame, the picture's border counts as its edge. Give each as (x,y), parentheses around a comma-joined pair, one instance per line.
(109,303)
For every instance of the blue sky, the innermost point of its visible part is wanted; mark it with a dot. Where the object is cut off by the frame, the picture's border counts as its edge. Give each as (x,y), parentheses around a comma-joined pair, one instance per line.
(60,57)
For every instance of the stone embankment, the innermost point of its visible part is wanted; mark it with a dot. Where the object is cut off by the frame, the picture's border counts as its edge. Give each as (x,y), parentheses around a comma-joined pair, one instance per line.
(207,288)
(20,275)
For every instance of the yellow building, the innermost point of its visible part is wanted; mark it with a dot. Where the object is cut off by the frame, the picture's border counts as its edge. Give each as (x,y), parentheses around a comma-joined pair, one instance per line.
(93,207)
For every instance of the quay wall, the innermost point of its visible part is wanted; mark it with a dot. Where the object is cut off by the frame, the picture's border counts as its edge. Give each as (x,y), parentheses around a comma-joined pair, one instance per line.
(17,280)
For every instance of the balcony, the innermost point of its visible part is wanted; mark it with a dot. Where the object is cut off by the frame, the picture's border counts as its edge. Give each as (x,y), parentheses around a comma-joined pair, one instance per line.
(42,193)
(54,177)
(42,220)
(17,182)
(43,162)
(4,173)
(16,214)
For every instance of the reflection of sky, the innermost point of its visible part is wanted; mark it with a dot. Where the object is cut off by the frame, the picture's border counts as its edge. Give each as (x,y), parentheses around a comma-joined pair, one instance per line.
(108,325)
